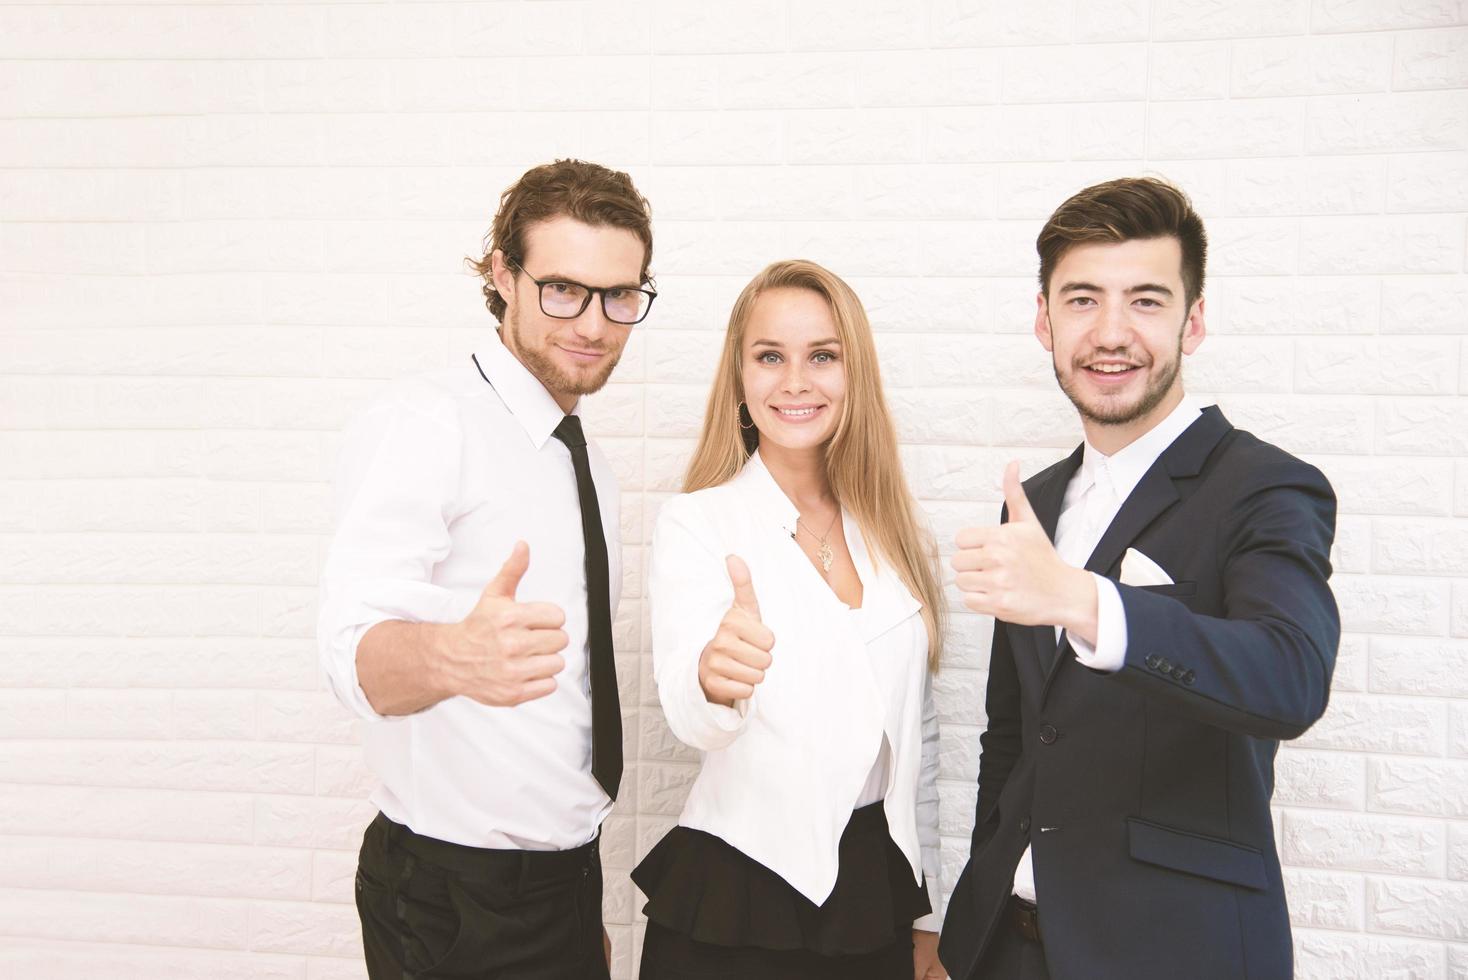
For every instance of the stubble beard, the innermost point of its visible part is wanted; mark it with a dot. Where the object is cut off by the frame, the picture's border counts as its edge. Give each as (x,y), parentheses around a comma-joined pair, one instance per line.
(556,379)
(1108,413)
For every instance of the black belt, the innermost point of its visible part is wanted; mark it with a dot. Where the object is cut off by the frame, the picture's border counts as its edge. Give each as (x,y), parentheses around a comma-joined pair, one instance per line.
(469,863)
(1025,918)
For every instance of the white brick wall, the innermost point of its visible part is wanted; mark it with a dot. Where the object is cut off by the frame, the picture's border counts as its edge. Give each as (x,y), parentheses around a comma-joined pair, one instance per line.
(223,226)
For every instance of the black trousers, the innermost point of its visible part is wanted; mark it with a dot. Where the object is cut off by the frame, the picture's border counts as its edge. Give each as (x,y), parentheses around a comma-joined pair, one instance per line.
(433,909)
(667,955)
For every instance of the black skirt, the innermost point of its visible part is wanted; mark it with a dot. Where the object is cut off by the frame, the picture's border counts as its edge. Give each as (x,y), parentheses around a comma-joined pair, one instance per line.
(701,887)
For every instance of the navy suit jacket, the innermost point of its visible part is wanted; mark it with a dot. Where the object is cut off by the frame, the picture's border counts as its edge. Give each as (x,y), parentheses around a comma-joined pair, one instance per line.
(1145,793)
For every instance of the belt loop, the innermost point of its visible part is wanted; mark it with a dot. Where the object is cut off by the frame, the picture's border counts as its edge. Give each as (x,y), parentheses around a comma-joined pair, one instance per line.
(522,886)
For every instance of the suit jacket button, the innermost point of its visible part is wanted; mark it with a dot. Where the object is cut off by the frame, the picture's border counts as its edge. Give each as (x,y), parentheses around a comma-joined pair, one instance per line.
(1024,825)
(1048,734)
(1187,677)
(1165,666)
(1152,661)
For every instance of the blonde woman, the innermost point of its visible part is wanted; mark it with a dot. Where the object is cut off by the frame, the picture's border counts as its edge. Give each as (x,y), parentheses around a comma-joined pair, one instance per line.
(796,616)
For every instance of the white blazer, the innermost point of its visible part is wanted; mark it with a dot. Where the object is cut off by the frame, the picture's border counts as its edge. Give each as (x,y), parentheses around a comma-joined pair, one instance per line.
(783,770)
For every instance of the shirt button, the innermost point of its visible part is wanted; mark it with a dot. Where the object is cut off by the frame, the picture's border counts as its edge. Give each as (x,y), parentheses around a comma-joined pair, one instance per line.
(1048,734)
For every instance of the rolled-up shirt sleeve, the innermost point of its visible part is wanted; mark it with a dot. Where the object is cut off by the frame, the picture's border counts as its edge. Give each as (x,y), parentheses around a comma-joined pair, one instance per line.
(689,590)
(397,478)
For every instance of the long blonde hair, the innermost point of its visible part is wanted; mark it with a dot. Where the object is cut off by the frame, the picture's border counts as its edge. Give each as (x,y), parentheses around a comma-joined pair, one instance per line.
(861,459)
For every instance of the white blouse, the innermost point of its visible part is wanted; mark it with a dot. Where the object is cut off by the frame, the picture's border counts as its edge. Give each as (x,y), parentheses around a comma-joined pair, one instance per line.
(847,701)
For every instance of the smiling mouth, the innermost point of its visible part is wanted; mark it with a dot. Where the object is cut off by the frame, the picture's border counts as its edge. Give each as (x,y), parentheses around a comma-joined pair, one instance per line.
(584,355)
(1111,371)
(799,414)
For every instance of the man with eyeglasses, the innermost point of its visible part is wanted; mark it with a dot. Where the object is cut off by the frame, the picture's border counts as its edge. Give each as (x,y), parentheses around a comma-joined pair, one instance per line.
(467,604)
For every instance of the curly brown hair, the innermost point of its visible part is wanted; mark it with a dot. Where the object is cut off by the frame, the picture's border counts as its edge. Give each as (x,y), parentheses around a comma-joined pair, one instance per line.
(1121,211)
(585,191)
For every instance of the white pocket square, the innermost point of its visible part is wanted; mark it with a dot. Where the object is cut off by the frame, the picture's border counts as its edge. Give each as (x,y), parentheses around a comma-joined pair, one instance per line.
(1138,569)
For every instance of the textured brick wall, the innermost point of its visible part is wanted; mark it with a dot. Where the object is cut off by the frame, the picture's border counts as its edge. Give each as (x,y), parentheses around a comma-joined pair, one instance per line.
(222,227)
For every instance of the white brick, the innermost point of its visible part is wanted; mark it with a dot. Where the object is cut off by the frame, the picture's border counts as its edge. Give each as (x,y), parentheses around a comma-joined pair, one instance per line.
(1419,665)
(1253,128)
(1385,485)
(985,133)
(853,135)
(1325,900)
(1458,851)
(1368,723)
(118,714)
(226,767)
(1090,73)
(319,929)
(145,919)
(1312,65)
(1173,19)
(32,714)
(1433,547)
(1334,956)
(1431,59)
(968,24)
(1241,364)
(1405,366)
(1377,123)
(1107,130)
(1408,244)
(305,821)
(1362,843)
(1350,664)
(157,868)
(1458,623)
(1303,424)
(1423,304)
(1341,185)
(687,28)
(1428,182)
(1371,15)
(1329,779)
(860,25)
(1275,305)
(1188,70)
(61,961)
(1423,425)
(1435,909)
(943,78)
(1430,787)
(1112,20)
(1392,604)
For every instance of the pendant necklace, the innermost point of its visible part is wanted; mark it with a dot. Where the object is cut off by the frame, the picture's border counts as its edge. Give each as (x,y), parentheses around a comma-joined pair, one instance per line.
(826,555)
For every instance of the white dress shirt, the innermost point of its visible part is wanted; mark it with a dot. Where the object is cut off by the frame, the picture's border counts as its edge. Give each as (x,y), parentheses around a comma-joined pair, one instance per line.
(437,481)
(784,769)
(1093,498)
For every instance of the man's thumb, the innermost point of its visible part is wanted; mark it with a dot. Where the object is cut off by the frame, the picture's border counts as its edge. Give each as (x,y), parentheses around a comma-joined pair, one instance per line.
(743,585)
(504,584)
(1014,496)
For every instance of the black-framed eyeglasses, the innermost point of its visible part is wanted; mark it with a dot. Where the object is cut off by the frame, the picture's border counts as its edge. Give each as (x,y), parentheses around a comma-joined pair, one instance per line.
(566,300)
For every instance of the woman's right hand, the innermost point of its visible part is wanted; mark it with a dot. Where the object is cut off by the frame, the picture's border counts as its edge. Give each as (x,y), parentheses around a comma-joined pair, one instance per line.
(736,659)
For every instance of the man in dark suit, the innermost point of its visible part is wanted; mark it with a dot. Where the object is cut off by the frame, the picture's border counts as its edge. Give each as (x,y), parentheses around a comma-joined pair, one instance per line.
(1162,620)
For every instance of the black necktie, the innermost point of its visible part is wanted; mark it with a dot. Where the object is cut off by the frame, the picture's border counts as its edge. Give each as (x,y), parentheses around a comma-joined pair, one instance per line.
(606,711)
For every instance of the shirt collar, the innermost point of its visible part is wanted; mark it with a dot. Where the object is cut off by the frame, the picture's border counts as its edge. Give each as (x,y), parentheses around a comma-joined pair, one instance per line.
(756,482)
(1128,465)
(522,392)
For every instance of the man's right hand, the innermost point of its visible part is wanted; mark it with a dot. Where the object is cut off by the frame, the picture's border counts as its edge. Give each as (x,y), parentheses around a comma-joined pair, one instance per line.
(736,659)
(505,652)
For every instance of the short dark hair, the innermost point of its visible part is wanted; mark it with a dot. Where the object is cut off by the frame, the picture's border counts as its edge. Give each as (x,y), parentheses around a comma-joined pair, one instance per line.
(1121,211)
(585,191)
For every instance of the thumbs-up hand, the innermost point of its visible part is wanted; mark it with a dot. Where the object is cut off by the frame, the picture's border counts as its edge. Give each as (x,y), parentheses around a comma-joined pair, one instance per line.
(1012,572)
(735,660)
(506,652)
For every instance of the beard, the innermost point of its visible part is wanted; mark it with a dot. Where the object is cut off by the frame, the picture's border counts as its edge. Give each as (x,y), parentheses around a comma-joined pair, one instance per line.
(558,380)
(1108,411)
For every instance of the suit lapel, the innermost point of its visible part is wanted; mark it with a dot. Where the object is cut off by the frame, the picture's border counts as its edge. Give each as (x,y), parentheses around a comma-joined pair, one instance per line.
(1047,500)
(1158,490)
